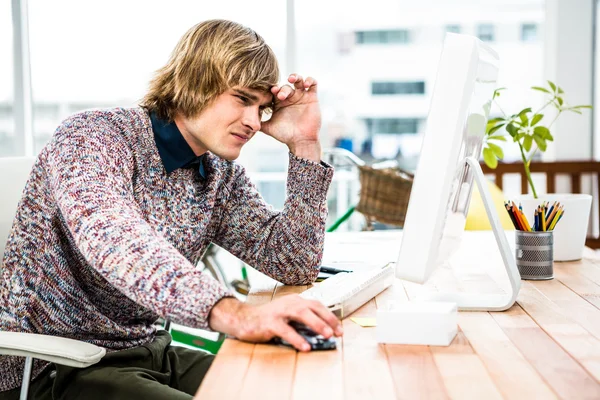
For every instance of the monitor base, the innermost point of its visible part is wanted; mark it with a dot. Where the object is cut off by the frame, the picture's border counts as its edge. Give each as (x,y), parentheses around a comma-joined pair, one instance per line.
(473,301)
(466,301)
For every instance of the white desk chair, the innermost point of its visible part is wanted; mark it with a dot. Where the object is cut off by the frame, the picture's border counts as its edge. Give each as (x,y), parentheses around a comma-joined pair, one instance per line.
(73,353)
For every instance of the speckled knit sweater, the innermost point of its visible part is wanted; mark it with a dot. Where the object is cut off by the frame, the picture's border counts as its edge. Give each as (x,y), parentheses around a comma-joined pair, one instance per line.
(105,241)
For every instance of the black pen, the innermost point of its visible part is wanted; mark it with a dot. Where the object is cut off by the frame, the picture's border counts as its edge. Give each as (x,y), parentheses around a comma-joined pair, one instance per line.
(331,270)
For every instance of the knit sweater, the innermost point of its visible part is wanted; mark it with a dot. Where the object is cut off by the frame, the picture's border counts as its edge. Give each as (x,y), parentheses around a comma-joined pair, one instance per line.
(105,240)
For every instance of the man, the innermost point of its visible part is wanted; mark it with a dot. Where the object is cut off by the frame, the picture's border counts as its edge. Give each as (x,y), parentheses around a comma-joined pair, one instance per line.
(121,204)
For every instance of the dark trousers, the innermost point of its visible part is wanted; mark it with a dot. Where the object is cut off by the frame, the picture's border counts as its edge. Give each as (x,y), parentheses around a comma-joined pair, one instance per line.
(153,371)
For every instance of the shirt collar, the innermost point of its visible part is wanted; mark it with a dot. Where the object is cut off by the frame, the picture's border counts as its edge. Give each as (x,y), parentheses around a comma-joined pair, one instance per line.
(174,151)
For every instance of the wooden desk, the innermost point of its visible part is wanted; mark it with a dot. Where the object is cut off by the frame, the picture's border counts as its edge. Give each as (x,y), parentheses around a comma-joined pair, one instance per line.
(546,346)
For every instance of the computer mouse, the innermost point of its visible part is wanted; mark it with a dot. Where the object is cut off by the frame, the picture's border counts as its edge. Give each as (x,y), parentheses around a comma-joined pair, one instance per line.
(316,341)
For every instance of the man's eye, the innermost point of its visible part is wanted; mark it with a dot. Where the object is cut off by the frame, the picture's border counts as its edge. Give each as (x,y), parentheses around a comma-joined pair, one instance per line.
(265,114)
(243,99)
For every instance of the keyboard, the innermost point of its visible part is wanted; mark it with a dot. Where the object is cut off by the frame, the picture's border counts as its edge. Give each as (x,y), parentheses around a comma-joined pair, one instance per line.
(345,292)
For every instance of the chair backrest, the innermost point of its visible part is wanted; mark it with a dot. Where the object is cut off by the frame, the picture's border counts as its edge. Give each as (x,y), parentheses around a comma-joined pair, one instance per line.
(574,169)
(14,172)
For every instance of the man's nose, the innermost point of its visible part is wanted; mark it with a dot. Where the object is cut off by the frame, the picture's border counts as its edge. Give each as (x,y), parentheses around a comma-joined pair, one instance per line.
(252,119)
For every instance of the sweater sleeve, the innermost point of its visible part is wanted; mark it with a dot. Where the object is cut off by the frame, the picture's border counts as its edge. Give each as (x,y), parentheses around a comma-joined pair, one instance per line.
(286,245)
(90,170)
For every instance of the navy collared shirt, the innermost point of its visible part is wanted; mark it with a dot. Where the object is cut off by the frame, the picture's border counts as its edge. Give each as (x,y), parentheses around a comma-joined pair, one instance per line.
(174,151)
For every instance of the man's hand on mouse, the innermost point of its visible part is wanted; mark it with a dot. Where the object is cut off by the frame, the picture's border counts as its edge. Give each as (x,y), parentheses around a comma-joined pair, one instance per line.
(264,322)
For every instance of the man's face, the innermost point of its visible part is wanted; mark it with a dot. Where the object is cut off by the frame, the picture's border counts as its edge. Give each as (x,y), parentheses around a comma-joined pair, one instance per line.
(227,124)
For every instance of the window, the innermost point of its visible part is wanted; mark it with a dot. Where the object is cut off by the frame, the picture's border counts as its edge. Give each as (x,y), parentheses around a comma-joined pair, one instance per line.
(8,143)
(453,28)
(528,32)
(485,32)
(378,88)
(401,36)
(392,125)
(6,111)
(100,67)
(45,111)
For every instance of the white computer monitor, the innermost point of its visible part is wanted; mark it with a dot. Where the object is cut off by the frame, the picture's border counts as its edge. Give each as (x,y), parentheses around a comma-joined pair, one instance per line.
(447,169)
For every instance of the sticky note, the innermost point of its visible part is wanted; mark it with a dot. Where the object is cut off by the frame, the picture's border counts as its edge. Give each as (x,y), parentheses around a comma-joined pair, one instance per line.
(365,322)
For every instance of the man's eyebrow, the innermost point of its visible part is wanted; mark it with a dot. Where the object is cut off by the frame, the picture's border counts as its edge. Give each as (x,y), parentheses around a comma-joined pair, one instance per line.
(252,97)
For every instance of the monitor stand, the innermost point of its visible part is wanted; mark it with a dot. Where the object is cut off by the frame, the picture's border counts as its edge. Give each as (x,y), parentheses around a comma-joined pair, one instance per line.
(468,301)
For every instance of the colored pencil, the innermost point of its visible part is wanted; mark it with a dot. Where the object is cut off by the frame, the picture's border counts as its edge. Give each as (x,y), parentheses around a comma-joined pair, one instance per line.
(526,222)
(524,219)
(553,216)
(543,220)
(512,217)
(556,218)
(517,215)
(553,211)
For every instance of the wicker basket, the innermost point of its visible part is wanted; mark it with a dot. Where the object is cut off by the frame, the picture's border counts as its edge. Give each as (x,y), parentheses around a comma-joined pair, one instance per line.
(384,194)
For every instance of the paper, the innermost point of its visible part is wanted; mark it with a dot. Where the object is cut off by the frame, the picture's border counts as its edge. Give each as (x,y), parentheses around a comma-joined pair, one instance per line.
(364,322)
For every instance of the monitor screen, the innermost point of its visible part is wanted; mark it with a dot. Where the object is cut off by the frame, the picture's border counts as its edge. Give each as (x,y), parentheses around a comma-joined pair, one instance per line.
(441,191)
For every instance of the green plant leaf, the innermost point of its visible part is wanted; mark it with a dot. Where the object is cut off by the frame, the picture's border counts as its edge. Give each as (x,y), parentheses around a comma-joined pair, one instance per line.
(536,118)
(542,132)
(524,119)
(527,141)
(495,128)
(541,89)
(552,85)
(497,150)
(574,110)
(524,111)
(511,129)
(560,91)
(497,137)
(541,142)
(489,158)
(492,122)
(560,100)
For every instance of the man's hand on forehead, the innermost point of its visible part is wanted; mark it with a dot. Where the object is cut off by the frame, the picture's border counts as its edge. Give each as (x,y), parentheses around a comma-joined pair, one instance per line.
(296,119)
(293,93)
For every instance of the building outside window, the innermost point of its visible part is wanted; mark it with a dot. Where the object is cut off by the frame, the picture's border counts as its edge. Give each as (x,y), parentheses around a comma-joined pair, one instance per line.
(392,125)
(486,32)
(453,28)
(398,36)
(529,32)
(382,88)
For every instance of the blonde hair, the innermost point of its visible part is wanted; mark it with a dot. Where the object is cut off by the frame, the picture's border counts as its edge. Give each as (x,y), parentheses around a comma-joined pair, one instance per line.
(211,57)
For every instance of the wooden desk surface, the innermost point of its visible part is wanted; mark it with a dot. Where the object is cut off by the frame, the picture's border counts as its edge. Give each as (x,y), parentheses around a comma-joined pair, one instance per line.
(546,346)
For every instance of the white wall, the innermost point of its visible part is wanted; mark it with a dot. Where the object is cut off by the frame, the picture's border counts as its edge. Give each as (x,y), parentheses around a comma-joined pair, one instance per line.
(568,61)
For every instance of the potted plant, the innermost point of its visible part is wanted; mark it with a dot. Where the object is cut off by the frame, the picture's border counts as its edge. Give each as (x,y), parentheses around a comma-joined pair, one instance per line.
(528,130)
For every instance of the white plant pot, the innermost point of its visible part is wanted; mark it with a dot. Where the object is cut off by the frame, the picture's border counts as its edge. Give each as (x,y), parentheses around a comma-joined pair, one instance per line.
(571,231)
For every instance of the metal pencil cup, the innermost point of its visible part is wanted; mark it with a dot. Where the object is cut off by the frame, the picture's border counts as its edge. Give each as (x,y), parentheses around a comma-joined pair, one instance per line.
(534,254)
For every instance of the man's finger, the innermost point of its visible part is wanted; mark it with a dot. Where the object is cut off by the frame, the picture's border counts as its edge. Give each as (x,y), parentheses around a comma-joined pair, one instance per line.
(322,312)
(290,335)
(314,322)
(309,82)
(285,92)
(297,80)
(312,88)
